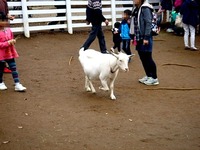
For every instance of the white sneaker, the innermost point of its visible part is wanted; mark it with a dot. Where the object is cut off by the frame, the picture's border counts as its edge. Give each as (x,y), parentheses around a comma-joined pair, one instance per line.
(3,86)
(170,30)
(194,49)
(19,87)
(142,80)
(151,81)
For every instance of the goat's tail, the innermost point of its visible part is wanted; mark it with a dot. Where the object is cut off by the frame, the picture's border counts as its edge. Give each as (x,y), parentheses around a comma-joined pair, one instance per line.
(81,50)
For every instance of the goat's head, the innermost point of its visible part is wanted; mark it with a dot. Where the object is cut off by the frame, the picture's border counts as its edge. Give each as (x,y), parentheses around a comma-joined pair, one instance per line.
(122,60)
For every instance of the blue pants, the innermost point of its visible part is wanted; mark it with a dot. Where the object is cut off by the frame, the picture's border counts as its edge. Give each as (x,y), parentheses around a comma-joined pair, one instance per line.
(96,32)
(126,46)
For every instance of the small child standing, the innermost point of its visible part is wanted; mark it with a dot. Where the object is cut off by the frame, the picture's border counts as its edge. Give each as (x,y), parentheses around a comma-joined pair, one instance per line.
(125,32)
(8,53)
(116,37)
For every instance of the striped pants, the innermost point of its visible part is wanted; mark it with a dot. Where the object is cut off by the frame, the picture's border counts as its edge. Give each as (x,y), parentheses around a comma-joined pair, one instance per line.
(12,65)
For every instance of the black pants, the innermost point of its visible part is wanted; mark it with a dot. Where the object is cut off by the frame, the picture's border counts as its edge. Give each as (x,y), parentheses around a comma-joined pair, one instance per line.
(96,32)
(117,45)
(148,64)
(56,22)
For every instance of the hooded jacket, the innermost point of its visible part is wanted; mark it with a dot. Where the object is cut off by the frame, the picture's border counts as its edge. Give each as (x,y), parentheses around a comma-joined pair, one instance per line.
(145,17)
(189,10)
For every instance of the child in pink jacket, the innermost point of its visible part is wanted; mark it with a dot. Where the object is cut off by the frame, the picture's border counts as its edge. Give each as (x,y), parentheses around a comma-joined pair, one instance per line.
(8,53)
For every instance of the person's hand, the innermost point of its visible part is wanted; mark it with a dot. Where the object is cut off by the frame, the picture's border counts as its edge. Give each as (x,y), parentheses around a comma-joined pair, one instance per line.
(87,22)
(106,22)
(10,17)
(12,42)
(145,42)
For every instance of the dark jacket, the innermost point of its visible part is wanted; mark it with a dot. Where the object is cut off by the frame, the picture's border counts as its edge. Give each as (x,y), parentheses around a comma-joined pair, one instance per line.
(167,4)
(145,17)
(116,35)
(189,10)
(94,12)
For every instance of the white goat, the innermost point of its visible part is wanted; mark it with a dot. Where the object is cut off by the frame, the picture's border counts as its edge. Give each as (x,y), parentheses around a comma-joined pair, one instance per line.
(102,66)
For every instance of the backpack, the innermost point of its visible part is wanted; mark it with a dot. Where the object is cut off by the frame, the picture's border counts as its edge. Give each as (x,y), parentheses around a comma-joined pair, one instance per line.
(155,29)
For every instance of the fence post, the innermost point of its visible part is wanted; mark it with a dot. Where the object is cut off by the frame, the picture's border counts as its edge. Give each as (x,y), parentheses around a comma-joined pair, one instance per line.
(69,16)
(25,18)
(113,12)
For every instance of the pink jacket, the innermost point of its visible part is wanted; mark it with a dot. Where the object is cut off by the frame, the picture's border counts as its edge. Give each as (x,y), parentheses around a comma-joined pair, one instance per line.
(7,51)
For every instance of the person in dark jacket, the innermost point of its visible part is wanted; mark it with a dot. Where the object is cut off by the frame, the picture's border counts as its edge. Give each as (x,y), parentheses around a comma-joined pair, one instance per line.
(142,24)
(58,15)
(189,10)
(95,17)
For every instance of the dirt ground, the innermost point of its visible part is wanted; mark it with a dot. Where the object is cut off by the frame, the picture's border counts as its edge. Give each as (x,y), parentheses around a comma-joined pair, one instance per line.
(57,114)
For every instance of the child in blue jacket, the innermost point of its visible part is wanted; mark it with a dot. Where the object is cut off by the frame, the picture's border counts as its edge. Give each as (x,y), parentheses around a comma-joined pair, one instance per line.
(125,32)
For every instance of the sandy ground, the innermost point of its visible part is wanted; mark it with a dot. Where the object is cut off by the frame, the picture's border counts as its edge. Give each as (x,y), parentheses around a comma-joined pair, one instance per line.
(57,114)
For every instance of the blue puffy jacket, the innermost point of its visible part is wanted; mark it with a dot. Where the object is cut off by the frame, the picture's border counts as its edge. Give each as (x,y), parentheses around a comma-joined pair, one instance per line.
(125,30)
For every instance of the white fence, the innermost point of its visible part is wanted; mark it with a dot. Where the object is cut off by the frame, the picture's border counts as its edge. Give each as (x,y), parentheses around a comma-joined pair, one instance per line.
(41,12)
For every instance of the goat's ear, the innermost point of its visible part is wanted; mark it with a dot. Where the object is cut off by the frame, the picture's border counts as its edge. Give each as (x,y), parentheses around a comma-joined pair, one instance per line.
(131,55)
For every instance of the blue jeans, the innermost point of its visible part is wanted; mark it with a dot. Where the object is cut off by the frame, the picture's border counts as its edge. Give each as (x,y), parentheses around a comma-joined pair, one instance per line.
(126,46)
(96,32)
(145,48)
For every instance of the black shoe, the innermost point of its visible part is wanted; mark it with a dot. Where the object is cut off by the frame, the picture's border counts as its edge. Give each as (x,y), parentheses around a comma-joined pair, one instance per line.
(62,30)
(187,48)
(194,49)
(105,52)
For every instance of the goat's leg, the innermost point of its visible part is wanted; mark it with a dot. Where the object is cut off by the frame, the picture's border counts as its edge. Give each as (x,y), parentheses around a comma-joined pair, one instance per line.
(91,86)
(87,86)
(112,96)
(104,84)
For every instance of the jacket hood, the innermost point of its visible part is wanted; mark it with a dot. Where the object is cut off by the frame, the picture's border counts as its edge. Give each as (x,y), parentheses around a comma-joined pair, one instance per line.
(146,4)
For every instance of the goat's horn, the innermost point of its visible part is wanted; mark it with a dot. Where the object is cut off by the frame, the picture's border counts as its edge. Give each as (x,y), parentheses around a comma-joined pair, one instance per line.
(113,54)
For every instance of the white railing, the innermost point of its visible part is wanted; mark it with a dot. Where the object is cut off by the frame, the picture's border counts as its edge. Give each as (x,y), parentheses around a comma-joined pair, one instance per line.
(41,12)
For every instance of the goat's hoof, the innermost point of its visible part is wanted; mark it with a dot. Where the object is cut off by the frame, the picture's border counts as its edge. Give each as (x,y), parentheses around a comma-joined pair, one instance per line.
(104,89)
(113,97)
(88,89)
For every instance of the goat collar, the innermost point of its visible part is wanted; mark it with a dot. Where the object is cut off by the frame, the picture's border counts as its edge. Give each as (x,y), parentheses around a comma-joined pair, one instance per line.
(114,69)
